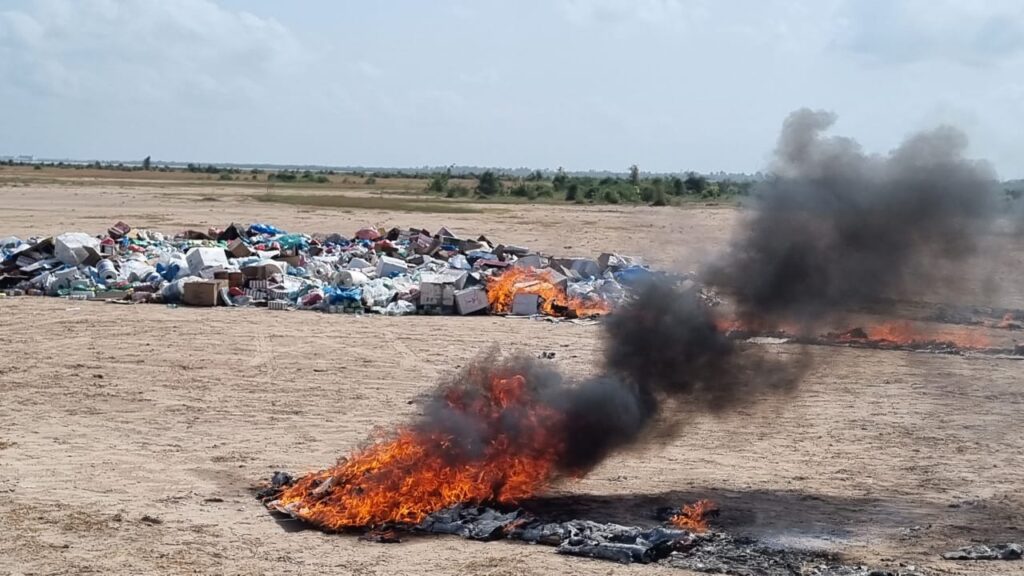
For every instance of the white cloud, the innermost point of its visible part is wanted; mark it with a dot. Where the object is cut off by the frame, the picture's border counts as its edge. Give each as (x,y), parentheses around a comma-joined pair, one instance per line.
(670,84)
(152,51)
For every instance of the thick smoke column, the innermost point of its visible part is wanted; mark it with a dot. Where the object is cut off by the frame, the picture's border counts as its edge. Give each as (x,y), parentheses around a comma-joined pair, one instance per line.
(835,227)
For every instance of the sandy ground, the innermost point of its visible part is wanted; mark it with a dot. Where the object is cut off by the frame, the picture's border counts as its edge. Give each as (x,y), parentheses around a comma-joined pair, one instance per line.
(114,415)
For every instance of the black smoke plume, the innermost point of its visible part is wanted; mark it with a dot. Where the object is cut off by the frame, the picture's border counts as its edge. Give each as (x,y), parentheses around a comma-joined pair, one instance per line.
(831,229)
(663,351)
(836,228)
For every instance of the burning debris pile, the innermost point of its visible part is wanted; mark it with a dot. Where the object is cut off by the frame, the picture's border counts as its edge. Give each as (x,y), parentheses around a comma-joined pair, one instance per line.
(391,272)
(834,229)
(895,335)
(506,428)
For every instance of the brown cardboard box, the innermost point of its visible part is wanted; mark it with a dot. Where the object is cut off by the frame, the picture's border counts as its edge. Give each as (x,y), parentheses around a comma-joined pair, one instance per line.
(235,279)
(239,249)
(265,269)
(293,261)
(203,293)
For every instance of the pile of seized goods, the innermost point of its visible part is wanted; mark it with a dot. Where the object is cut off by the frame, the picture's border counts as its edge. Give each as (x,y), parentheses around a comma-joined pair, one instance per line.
(391,272)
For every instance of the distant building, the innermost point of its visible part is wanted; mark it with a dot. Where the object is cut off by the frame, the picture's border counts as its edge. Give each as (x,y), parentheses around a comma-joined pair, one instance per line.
(24,158)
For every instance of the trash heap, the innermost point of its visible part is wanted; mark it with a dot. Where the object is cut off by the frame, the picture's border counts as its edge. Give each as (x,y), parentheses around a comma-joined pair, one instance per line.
(391,272)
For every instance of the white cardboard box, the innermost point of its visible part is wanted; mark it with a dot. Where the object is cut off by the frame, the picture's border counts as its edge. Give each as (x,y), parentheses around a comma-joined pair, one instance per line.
(525,304)
(471,300)
(70,248)
(388,267)
(200,258)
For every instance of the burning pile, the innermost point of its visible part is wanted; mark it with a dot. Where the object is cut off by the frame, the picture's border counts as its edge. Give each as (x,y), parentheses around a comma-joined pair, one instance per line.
(906,334)
(551,298)
(503,430)
(834,230)
(423,469)
(887,335)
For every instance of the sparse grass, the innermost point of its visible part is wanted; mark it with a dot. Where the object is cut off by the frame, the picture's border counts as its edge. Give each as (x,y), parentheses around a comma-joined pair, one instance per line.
(370,203)
(5,444)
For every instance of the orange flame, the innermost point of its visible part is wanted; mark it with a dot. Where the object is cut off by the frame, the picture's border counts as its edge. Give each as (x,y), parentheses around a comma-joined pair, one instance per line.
(894,332)
(404,479)
(694,517)
(905,333)
(1009,322)
(501,290)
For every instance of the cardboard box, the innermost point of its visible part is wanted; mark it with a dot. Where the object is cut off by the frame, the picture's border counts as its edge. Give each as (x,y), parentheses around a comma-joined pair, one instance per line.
(437,295)
(235,279)
(530,261)
(239,249)
(440,287)
(264,270)
(525,304)
(388,267)
(203,292)
(556,277)
(586,268)
(609,260)
(201,258)
(70,248)
(437,290)
(118,230)
(358,264)
(470,245)
(471,300)
(293,261)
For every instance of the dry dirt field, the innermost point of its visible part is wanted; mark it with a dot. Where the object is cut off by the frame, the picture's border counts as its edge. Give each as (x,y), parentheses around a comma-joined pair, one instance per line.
(130,435)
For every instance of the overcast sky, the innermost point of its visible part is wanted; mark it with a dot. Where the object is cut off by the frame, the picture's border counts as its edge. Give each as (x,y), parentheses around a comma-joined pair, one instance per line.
(667,84)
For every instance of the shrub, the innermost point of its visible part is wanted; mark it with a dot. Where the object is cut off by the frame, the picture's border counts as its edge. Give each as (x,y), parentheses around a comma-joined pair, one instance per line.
(282,176)
(572,192)
(488,185)
(438,183)
(457,191)
(678,186)
(523,190)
